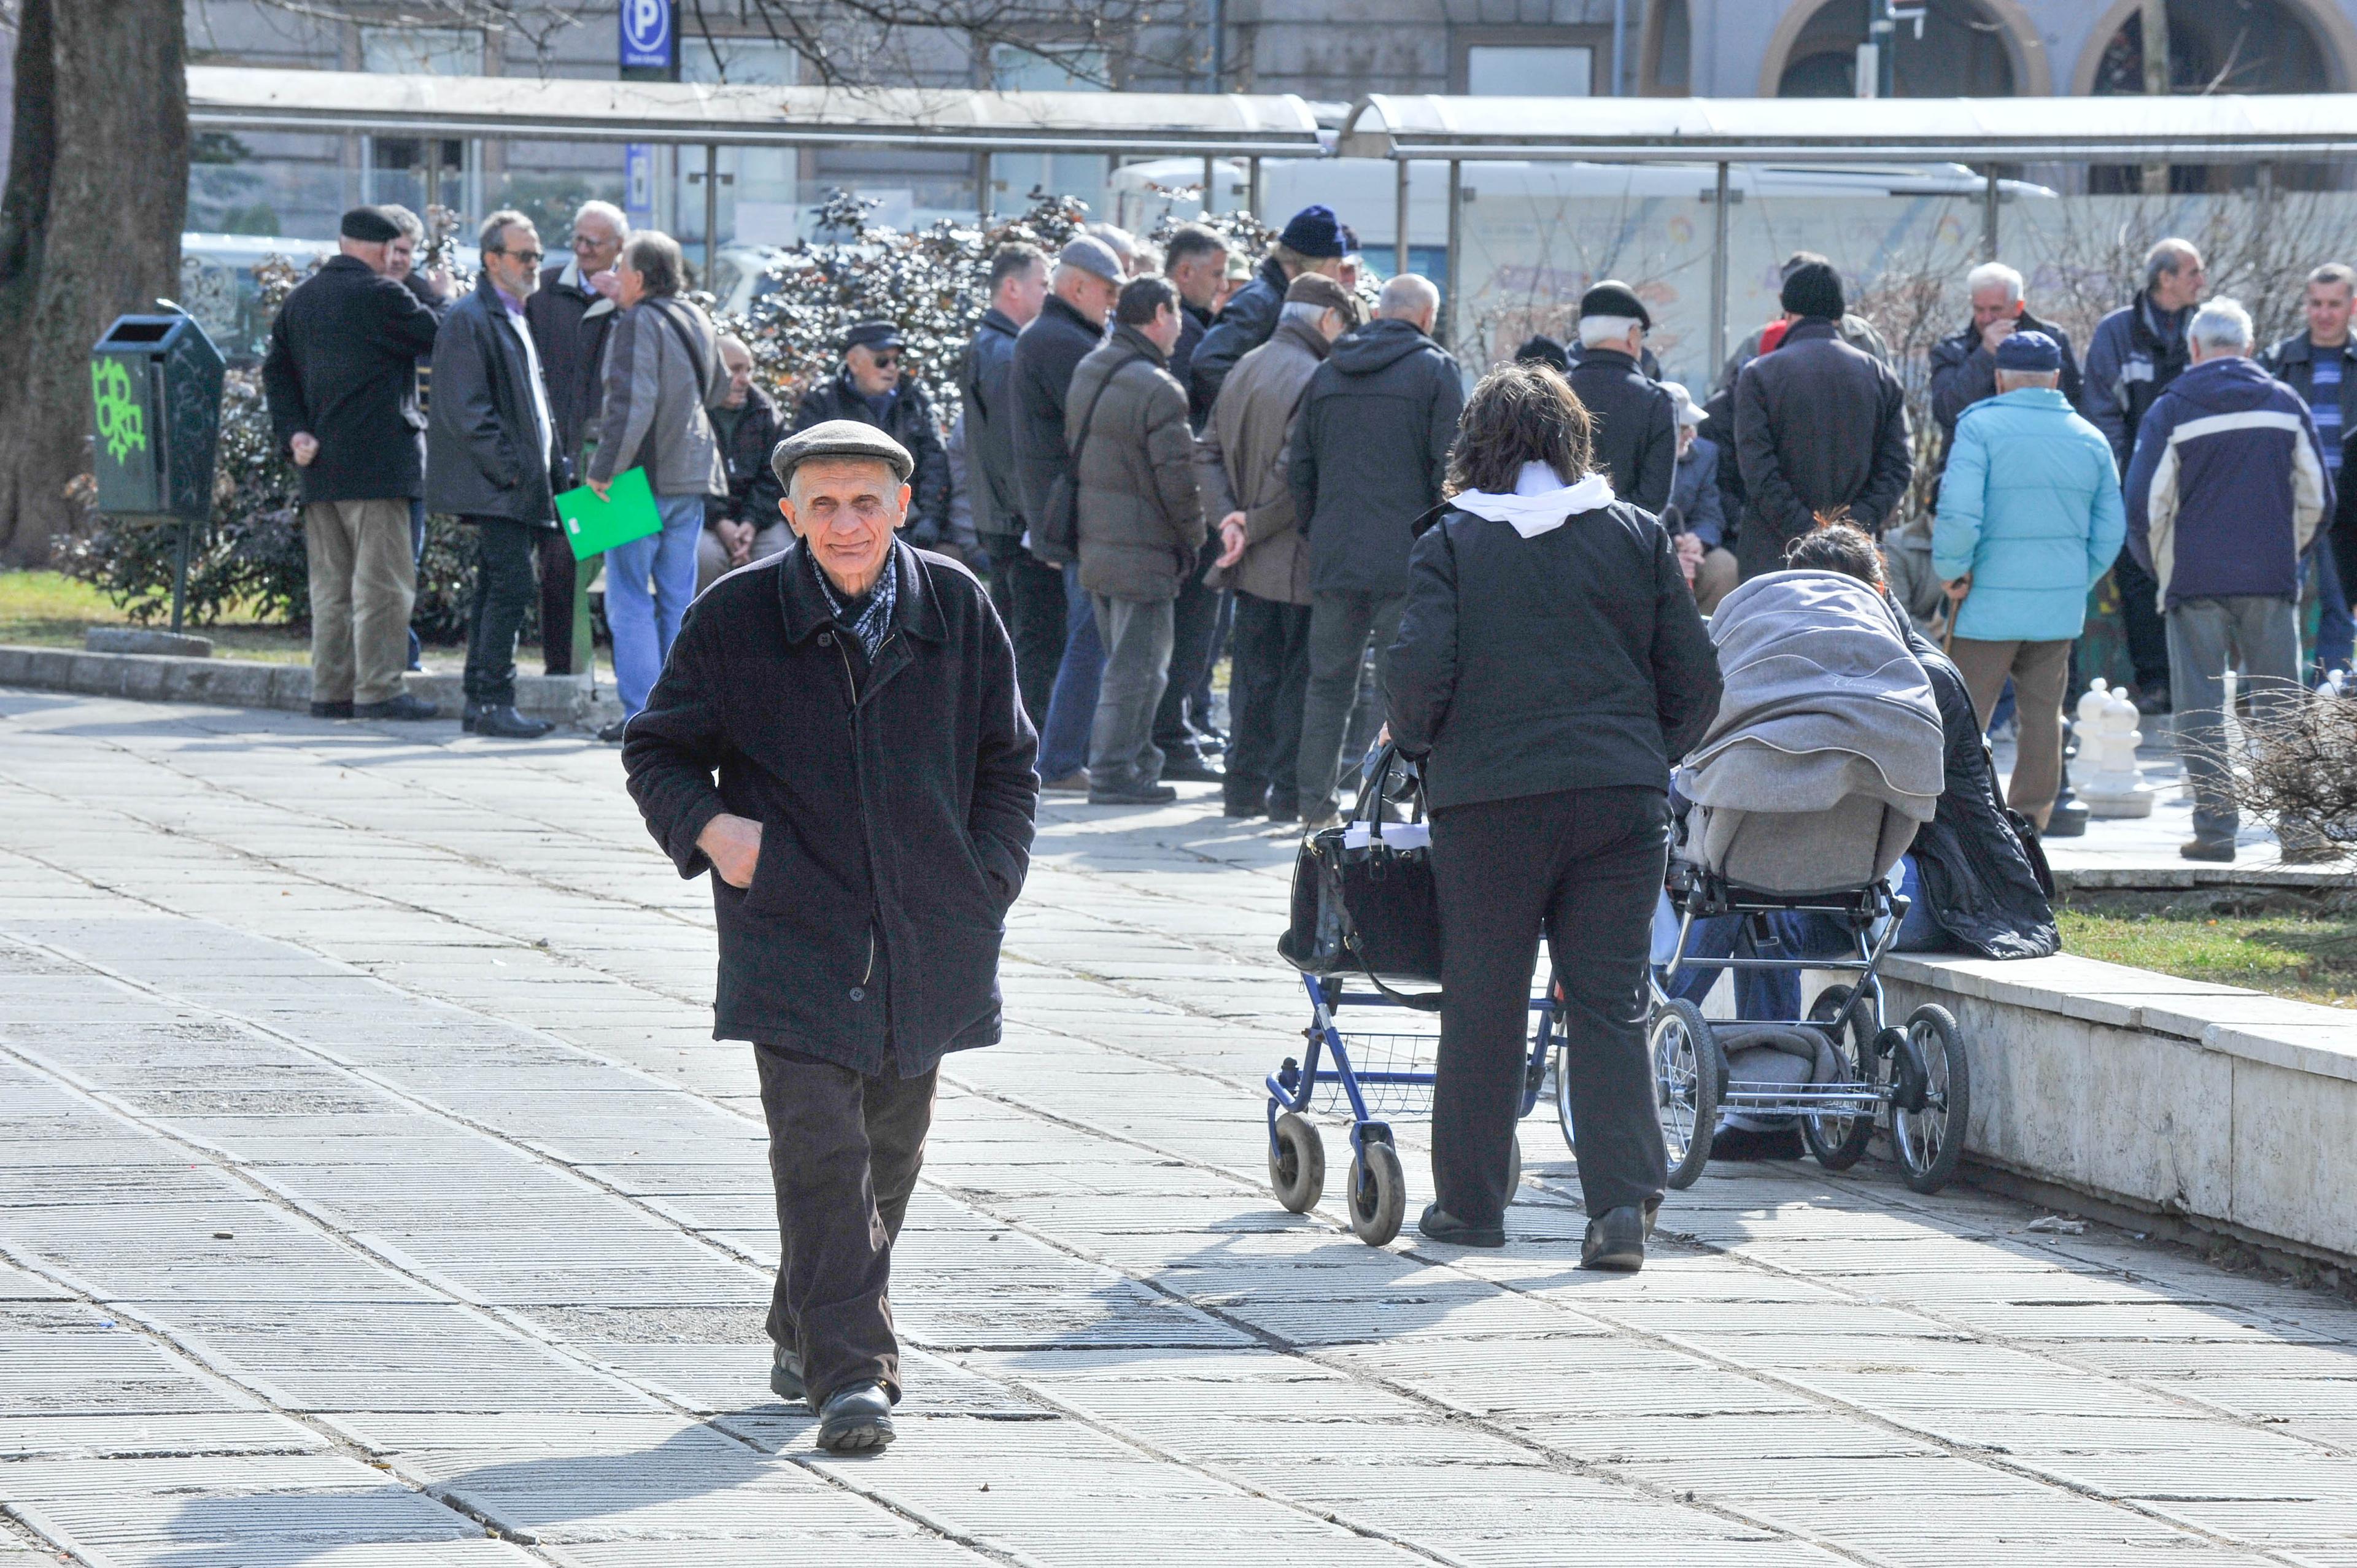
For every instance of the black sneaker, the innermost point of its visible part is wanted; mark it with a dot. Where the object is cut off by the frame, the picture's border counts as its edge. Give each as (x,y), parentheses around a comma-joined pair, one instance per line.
(1133,795)
(331,710)
(402,707)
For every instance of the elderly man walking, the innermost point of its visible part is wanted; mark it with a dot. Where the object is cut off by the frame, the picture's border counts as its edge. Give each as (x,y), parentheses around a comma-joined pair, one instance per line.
(341,381)
(1368,457)
(1241,467)
(1141,526)
(869,825)
(2029,518)
(2225,496)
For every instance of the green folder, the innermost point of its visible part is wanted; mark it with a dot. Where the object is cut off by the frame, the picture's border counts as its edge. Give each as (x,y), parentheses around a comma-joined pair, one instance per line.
(628,513)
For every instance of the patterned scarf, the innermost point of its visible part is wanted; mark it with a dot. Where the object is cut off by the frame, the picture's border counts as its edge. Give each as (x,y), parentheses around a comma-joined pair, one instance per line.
(875,619)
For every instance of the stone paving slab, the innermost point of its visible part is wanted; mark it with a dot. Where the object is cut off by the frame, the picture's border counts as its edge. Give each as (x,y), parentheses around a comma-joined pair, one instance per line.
(421,1024)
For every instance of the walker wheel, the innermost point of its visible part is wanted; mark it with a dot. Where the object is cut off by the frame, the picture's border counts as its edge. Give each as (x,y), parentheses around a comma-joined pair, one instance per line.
(1378,1192)
(1930,1139)
(1687,1072)
(1297,1164)
(1838,1139)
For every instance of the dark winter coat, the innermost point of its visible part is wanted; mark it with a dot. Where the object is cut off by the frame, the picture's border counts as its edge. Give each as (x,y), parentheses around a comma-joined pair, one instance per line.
(895,802)
(1818,424)
(1046,355)
(342,367)
(485,455)
(1141,518)
(1963,372)
(986,375)
(1370,453)
(753,489)
(1245,323)
(1976,875)
(2292,362)
(909,419)
(570,323)
(1572,660)
(1193,323)
(2137,352)
(1633,426)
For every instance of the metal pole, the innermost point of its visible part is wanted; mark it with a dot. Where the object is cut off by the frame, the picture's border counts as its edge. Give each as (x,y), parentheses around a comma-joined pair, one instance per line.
(1719,272)
(1220,46)
(1448,315)
(1989,196)
(711,208)
(982,185)
(1252,178)
(180,573)
(1399,217)
(1620,46)
(1210,182)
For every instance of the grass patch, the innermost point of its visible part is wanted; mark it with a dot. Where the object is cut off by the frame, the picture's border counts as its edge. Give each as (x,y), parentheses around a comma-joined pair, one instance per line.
(2288,942)
(49,609)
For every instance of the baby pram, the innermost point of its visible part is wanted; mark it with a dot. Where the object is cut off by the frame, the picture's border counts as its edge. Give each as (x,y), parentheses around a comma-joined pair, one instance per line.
(1825,757)
(1363,926)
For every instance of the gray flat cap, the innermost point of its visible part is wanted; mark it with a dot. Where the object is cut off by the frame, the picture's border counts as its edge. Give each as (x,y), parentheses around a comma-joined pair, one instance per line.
(1090,255)
(839,438)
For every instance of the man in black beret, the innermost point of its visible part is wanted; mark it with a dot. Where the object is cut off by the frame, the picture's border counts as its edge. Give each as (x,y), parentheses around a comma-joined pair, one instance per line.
(867,828)
(1820,428)
(874,387)
(1633,423)
(340,379)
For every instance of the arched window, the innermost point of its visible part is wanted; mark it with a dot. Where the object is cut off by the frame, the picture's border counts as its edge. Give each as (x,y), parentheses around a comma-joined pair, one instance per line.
(1962,54)
(1669,51)
(2213,46)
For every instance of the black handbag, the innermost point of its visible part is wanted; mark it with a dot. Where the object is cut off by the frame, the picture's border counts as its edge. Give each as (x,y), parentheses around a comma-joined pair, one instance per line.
(1372,909)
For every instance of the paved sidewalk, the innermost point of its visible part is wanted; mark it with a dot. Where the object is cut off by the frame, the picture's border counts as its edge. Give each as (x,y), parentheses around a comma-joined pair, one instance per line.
(371,1196)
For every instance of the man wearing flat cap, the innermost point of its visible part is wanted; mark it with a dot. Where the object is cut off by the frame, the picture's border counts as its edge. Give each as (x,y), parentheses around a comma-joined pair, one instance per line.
(342,381)
(1633,426)
(871,388)
(837,740)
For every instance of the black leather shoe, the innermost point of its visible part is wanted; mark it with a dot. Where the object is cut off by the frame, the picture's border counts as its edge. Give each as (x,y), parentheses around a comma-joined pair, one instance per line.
(331,710)
(612,734)
(1437,1224)
(473,711)
(507,723)
(1242,809)
(1284,811)
(786,1377)
(1616,1242)
(1133,795)
(1196,769)
(405,706)
(855,1419)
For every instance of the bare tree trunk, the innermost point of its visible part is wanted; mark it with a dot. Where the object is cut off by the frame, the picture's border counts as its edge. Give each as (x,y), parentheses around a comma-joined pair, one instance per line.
(2152,21)
(90,228)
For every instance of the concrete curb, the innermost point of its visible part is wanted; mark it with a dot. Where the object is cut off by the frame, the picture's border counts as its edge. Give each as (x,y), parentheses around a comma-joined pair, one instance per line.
(249,684)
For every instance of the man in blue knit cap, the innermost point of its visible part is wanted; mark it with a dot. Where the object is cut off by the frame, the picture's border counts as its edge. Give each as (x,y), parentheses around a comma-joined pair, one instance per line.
(1312,241)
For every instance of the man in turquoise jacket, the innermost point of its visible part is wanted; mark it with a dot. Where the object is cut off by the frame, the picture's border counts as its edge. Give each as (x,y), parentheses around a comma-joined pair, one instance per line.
(2029,517)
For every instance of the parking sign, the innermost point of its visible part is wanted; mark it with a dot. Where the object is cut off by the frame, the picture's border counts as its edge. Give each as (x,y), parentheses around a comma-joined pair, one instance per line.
(649,36)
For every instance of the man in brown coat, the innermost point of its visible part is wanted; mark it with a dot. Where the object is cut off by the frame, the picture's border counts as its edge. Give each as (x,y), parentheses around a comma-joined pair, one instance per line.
(1141,524)
(1241,467)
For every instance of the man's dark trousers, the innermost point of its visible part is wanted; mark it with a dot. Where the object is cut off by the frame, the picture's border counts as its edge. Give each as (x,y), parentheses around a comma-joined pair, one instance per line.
(1340,627)
(1585,868)
(503,590)
(556,569)
(843,1156)
(1194,622)
(2141,627)
(1266,685)
(1029,597)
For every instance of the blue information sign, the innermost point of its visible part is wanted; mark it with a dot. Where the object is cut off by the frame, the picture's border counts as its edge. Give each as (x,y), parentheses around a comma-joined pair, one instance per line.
(648,42)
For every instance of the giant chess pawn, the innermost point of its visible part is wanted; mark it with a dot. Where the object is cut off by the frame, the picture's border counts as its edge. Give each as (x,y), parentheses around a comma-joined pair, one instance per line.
(2108,738)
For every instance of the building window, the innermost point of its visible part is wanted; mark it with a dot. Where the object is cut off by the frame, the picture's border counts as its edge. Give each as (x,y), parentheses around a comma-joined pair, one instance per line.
(1530,62)
(1962,54)
(421,51)
(1672,72)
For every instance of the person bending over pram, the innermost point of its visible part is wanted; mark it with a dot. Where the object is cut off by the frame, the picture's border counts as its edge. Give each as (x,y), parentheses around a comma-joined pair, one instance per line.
(1969,875)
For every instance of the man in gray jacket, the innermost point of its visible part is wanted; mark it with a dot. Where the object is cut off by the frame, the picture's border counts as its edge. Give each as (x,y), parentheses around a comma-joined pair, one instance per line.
(1140,526)
(1241,467)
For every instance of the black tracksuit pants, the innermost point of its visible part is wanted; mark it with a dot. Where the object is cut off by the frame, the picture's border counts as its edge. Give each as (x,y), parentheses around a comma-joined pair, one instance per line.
(843,1156)
(1584,867)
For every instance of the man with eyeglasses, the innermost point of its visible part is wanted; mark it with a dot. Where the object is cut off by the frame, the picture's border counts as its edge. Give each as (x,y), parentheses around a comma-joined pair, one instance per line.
(570,314)
(871,389)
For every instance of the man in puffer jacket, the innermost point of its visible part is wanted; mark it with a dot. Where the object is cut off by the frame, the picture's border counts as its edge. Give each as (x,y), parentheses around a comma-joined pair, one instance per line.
(2029,517)
(2225,496)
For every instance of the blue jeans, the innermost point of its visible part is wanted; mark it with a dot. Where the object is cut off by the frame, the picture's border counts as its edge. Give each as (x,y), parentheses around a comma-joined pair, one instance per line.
(416,558)
(2336,628)
(645,623)
(1072,704)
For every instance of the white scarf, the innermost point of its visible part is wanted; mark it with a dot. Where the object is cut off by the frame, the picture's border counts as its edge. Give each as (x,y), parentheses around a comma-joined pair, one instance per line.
(1541,500)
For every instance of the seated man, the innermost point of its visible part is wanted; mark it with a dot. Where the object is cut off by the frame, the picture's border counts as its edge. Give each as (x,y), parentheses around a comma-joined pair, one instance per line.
(745,525)
(1969,878)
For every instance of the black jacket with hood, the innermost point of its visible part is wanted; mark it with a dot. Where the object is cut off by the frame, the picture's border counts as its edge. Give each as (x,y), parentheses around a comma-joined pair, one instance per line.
(1370,452)
(1633,426)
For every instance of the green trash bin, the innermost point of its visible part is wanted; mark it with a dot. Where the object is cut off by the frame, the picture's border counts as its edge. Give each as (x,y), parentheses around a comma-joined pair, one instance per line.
(156,412)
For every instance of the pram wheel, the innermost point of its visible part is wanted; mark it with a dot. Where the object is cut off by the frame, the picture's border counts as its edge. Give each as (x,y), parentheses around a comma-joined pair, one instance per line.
(1297,1164)
(1932,1088)
(1687,1073)
(1838,1140)
(1378,1192)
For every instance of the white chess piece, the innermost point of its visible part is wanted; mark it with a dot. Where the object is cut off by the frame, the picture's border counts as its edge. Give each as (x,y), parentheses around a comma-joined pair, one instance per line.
(2108,738)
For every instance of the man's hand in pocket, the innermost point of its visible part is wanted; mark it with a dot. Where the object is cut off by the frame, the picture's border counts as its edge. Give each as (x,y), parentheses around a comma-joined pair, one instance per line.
(733,844)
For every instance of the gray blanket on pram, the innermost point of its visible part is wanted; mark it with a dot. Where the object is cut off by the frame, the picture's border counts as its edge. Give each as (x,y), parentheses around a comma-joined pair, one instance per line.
(1823,702)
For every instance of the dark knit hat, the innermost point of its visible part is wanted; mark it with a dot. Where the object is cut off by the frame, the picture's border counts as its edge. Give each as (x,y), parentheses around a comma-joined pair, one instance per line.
(2032,352)
(1538,348)
(1314,231)
(1814,289)
(369,225)
(1613,297)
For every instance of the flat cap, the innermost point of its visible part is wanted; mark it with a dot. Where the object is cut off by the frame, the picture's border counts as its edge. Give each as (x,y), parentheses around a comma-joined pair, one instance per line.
(1090,255)
(2032,352)
(873,334)
(1613,297)
(369,225)
(1315,288)
(839,438)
